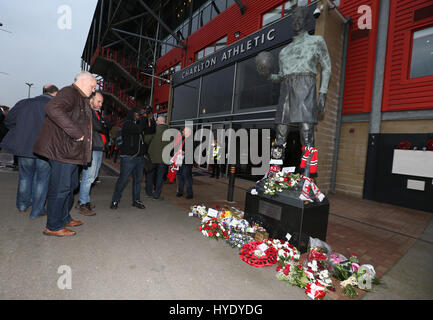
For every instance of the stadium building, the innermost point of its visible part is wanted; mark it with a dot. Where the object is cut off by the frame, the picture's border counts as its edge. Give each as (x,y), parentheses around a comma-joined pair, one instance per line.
(194,60)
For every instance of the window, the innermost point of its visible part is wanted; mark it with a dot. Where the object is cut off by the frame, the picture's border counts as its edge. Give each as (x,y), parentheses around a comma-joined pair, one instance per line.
(278,12)
(254,90)
(221,43)
(216,101)
(166,75)
(185,100)
(218,6)
(205,16)
(194,25)
(422,53)
(272,15)
(289,6)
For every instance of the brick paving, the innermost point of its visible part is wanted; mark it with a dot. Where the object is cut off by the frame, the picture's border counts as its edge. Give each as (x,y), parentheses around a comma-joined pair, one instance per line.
(379,234)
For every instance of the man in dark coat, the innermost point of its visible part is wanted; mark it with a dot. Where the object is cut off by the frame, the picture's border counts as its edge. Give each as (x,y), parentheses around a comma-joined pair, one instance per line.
(132,153)
(90,172)
(155,178)
(66,140)
(24,122)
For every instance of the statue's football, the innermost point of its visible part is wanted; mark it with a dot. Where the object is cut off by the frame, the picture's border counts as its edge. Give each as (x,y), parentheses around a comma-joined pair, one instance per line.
(264,63)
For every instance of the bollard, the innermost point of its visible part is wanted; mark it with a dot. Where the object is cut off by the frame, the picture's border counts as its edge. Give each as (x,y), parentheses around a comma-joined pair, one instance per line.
(231,189)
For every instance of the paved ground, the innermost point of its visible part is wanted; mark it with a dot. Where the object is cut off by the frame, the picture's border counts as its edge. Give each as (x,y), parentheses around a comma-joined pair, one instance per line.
(158,253)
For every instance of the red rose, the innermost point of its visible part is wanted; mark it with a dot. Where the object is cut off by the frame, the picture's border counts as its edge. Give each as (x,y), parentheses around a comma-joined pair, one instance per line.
(199,228)
(279,267)
(209,233)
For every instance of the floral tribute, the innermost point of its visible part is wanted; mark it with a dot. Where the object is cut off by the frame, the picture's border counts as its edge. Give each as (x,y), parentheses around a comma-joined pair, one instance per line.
(281,181)
(317,272)
(199,211)
(211,228)
(238,240)
(254,256)
(352,274)
(286,252)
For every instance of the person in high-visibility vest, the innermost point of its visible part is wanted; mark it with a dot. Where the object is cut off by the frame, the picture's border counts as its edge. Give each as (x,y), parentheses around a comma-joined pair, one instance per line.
(216,153)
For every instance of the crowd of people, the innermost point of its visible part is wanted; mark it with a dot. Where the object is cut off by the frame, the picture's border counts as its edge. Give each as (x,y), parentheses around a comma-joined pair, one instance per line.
(62,135)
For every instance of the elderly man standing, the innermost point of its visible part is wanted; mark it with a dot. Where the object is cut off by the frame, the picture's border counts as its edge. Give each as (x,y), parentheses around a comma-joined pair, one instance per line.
(90,172)
(66,140)
(24,122)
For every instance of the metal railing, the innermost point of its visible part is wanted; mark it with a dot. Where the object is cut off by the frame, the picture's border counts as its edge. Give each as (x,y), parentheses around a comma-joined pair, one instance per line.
(129,64)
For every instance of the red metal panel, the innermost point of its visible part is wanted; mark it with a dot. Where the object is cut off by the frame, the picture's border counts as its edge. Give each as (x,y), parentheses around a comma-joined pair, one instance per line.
(361,54)
(400,92)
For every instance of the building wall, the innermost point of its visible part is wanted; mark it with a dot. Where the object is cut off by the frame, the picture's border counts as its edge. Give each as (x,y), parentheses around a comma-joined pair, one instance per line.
(407,126)
(401,92)
(351,158)
(361,52)
(330,26)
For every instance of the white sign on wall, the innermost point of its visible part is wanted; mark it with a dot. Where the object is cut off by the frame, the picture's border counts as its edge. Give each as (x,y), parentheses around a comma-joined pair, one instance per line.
(413,163)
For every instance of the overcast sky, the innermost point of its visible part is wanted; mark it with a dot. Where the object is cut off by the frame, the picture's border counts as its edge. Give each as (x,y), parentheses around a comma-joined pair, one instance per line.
(41,46)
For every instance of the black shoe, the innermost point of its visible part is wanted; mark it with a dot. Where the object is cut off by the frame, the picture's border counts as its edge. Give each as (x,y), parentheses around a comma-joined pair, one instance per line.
(114,205)
(179,195)
(189,196)
(138,204)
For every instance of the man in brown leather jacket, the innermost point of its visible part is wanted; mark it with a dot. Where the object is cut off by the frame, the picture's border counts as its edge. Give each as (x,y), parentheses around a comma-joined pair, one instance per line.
(66,140)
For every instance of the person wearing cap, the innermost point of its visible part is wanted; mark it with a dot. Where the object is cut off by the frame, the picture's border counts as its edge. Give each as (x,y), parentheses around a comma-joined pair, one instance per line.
(24,121)
(132,153)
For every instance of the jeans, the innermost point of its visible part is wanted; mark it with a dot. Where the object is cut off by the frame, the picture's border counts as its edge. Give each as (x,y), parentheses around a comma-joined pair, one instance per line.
(184,176)
(33,179)
(88,176)
(129,166)
(63,182)
(155,180)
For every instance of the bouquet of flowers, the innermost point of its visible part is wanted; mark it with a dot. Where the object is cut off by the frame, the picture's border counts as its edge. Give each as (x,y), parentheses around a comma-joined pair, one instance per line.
(344,269)
(335,258)
(316,267)
(293,273)
(352,274)
(315,290)
(286,252)
(280,181)
(238,240)
(212,229)
(199,211)
(233,224)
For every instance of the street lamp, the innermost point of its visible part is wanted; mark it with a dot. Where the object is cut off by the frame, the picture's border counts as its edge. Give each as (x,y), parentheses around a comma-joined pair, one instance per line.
(30,85)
